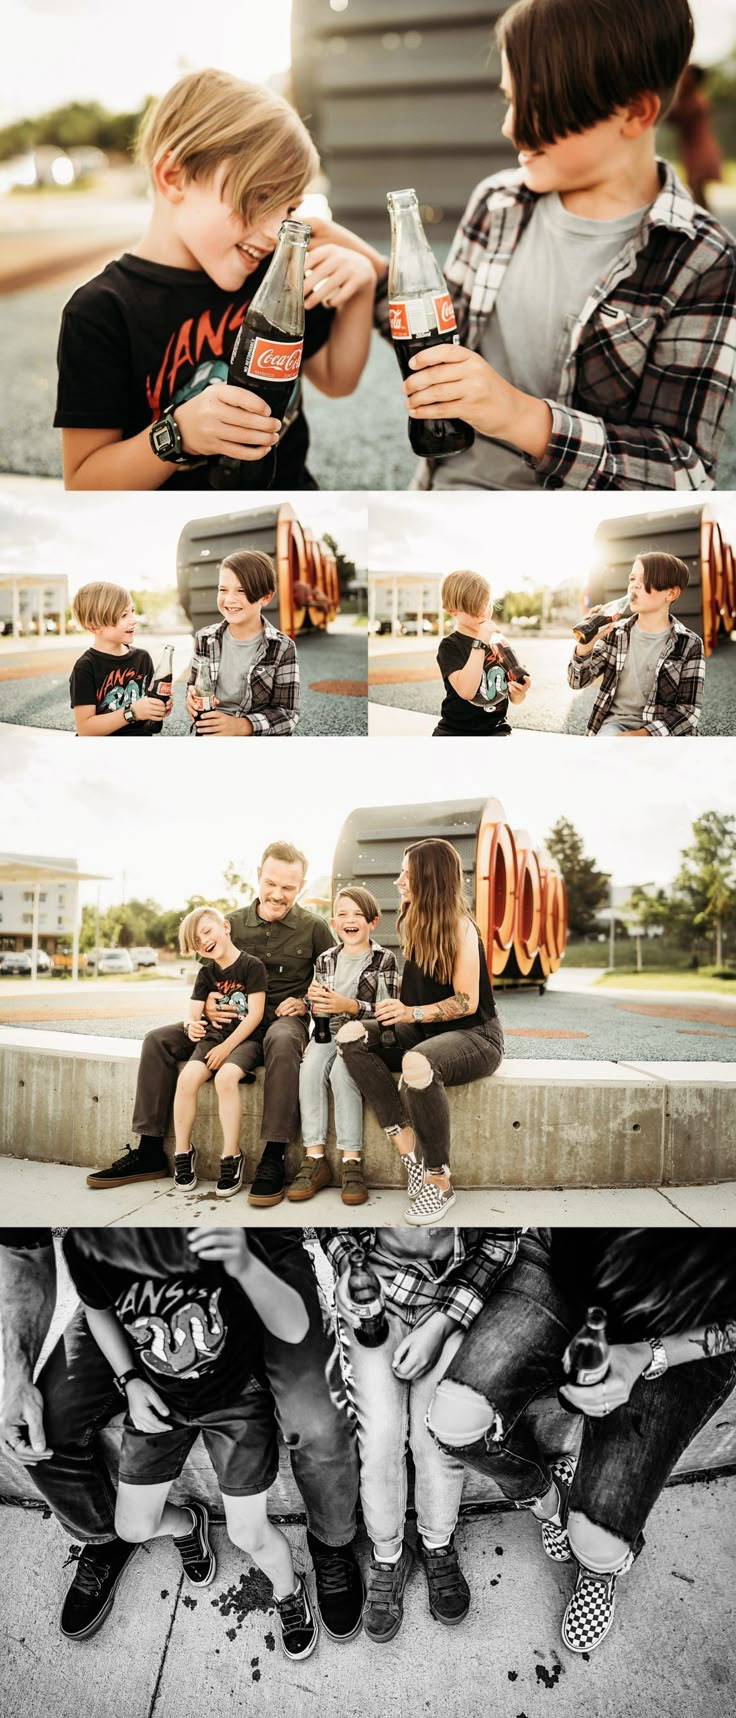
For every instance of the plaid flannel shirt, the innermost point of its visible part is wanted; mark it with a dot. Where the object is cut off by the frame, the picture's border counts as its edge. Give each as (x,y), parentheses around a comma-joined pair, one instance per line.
(271,692)
(677,688)
(648,380)
(380,963)
(462,1286)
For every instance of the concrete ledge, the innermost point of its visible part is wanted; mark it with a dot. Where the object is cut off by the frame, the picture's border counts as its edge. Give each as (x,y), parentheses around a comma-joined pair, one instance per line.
(68,1098)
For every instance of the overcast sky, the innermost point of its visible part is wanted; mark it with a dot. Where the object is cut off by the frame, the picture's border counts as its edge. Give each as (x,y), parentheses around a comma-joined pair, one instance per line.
(70,50)
(131,539)
(518,541)
(174,825)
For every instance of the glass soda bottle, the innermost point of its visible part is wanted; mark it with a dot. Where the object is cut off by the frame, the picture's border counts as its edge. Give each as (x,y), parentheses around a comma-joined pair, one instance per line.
(388,1033)
(267,355)
(587,628)
(508,659)
(322,1033)
(204,687)
(367,1308)
(421,314)
(162,681)
(587,1357)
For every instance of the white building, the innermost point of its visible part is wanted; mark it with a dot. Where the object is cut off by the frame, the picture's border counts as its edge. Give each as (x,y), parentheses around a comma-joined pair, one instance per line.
(404,597)
(29,600)
(56,912)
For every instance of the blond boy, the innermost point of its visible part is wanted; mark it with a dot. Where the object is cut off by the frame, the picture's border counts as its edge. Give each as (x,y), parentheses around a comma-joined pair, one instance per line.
(108,682)
(478,687)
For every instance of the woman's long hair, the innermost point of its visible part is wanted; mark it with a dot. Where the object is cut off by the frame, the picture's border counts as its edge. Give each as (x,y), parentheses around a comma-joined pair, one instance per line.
(672,1281)
(429,923)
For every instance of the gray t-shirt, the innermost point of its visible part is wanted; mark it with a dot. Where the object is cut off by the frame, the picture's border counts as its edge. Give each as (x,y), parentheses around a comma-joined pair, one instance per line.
(558,261)
(636,680)
(348,968)
(236,660)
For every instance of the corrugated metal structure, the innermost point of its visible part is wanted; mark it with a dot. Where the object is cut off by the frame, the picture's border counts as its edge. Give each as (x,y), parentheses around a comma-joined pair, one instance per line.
(307,593)
(708,605)
(396,93)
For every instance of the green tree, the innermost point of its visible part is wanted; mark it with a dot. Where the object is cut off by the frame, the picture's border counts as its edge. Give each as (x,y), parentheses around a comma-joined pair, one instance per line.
(587,887)
(706,880)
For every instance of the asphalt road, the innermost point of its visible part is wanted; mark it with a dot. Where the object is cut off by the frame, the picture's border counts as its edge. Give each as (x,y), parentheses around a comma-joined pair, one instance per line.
(550,706)
(587,1025)
(357,443)
(324,658)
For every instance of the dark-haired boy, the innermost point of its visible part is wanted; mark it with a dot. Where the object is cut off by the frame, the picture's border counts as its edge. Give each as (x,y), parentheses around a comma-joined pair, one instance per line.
(652,667)
(595,302)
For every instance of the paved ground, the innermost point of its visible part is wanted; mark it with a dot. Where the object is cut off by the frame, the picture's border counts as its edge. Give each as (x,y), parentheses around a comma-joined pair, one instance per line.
(34,690)
(409,680)
(357,443)
(168,1653)
(31,1191)
(567,1025)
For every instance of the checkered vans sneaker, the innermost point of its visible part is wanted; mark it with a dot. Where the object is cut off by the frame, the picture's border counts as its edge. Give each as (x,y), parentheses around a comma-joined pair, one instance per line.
(185,1174)
(591,1609)
(430,1205)
(555,1542)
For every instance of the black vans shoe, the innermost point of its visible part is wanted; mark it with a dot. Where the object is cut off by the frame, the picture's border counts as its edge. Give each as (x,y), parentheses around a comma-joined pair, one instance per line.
(299,1626)
(92,1592)
(134,1166)
(185,1175)
(197,1555)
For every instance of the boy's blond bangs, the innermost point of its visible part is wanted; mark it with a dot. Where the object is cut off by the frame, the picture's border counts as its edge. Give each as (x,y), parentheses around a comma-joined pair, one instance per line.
(466,592)
(210,118)
(190,925)
(100,604)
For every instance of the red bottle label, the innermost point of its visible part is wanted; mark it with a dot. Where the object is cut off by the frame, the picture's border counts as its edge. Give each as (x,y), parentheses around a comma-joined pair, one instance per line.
(274,360)
(399,320)
(443,309)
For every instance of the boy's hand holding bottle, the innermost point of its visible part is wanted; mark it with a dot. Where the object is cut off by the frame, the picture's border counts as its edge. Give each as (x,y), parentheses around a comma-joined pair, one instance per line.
(331,1001)
(226,420)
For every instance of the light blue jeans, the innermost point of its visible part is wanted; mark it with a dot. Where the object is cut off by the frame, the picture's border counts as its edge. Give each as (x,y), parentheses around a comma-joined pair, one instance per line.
(391,1417)
(321,1066)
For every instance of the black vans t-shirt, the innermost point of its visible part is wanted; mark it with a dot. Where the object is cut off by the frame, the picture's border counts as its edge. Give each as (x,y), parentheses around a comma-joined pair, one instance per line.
(486,712)
(142,338)
(418,988)
(112,683)
(195,1336)
(235,983)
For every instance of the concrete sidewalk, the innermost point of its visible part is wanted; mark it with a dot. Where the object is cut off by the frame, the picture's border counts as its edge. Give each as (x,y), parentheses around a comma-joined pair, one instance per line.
(168,1652)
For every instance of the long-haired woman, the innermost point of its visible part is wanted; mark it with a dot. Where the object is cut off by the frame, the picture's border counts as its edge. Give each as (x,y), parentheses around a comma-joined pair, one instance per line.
(445,1027)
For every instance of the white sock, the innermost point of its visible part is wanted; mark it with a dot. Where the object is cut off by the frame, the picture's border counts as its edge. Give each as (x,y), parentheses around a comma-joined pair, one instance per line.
(390,1560)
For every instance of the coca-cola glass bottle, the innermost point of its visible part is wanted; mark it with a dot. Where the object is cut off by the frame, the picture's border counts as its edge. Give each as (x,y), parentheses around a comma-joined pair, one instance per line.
(322,1033)
(367,1310)
(162,681)
(586,629)
(421,314)
(508,658)
(389,1039)
(587,1357)
(204,687)
(267,355)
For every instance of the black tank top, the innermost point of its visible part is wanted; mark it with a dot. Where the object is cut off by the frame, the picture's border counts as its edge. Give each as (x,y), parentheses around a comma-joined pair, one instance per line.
(417,987)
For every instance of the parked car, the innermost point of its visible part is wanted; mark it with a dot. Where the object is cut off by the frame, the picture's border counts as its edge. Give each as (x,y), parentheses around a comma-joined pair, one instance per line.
(63,960)
(143,957)
(20,963)
(113,960)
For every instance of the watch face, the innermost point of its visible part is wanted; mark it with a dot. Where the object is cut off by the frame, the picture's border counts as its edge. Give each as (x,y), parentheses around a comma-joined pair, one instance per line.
(162,438)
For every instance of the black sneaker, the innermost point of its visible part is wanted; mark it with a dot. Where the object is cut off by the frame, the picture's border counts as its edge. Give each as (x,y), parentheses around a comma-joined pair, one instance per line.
(383,1611)
(449,1593)
(197,1555)
(91,1594)
(299,1626)
(231,1176)
(184,1169)
(134,1166)
(340,1590)
(270,1178)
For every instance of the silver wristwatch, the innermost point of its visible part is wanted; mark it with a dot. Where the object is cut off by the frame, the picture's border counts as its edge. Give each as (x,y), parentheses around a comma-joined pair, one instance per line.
(418,1015)
(659,1361)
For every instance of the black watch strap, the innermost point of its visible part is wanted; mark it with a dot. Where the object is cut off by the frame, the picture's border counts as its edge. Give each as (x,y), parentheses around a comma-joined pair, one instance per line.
(166,442)
(124,1378)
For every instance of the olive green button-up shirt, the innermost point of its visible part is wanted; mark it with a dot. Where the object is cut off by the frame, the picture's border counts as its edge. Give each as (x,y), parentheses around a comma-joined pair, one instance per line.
(288,948)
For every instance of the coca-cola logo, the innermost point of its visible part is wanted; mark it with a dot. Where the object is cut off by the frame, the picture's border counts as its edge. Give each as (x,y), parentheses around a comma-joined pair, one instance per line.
(398,320)
(274,360)
(444,311)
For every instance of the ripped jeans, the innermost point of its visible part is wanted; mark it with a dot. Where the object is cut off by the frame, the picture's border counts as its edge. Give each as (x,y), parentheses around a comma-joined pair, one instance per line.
(454,1057)
(513,1354)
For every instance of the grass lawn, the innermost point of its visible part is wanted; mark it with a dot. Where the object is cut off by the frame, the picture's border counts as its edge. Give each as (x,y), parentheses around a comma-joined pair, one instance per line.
(625,978)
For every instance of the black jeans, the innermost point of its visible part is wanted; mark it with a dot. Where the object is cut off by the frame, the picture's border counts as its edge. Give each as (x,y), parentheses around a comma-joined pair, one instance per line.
(280,1052)
(455,1057)
(80,1398)
(513,1353)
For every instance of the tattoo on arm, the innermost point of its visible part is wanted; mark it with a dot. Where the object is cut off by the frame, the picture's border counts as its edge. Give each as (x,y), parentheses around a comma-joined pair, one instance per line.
(717,1339)
(453,1007)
